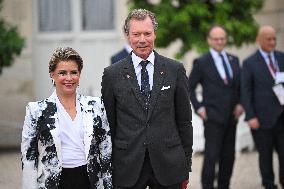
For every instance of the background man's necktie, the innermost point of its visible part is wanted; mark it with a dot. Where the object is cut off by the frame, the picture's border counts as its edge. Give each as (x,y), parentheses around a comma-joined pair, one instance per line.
(228,78)
(271,65)
(145,85)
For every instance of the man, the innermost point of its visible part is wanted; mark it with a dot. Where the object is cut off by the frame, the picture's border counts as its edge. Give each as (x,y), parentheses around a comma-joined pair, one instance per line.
(264,113)
(147,103)
(219,75)
(122,53)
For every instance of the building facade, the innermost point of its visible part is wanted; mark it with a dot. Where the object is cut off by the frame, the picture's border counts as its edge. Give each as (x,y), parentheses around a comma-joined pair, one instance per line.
(94,29)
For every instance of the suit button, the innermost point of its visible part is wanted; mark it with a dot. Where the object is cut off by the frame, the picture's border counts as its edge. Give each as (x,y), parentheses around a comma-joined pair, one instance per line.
(145,143)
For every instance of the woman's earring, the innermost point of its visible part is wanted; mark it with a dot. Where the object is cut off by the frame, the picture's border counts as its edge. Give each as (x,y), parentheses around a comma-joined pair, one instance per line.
(53,82)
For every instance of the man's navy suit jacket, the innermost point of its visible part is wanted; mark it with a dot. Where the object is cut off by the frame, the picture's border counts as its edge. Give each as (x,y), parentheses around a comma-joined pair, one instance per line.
(119,56)
(218,98)
(258,98)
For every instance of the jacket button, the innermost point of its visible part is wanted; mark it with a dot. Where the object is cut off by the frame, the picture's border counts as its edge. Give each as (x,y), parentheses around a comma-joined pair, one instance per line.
(145,143)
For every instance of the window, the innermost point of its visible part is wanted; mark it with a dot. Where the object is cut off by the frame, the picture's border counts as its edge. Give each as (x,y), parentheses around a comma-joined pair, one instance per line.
(97,15)
(54,15)
(57,16)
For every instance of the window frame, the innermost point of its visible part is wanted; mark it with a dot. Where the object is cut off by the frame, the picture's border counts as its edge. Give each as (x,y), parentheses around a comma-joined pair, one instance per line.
(76,31)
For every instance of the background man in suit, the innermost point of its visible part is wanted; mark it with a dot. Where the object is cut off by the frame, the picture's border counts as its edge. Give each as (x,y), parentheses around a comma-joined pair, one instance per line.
(264,113)
(219,75)
(122,53)
(147,102)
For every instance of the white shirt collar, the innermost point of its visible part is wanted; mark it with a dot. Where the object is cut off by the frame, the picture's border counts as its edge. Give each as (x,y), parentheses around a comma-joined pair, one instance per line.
(265,54)
(218,62)
(136,59)
(215,54)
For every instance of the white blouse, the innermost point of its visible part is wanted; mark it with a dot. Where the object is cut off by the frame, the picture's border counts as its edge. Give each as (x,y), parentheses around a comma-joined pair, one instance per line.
(72,137)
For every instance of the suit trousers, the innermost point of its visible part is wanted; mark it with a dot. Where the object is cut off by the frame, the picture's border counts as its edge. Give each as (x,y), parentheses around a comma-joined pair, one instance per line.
(219,148)
(147,178)
(266,141)
(74,178)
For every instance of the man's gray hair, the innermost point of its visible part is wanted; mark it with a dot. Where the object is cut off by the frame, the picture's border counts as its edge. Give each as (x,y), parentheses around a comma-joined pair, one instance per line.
(140,14)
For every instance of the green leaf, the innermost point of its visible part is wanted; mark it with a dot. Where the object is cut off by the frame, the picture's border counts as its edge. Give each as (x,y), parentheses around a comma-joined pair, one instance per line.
(11,43)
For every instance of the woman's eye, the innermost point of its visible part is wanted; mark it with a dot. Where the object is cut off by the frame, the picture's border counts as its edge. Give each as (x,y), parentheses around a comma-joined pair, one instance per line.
(62,73)
(75,73)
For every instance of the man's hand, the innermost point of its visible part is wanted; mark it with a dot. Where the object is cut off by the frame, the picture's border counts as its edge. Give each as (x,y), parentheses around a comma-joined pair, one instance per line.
(253,123)
(184,184)
(238,111)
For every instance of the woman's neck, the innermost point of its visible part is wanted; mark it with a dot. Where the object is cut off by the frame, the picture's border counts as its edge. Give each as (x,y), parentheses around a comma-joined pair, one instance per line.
(68,101)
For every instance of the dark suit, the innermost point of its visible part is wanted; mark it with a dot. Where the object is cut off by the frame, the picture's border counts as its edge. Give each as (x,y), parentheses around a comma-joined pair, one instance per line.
(119,56)
(260,102)
(165,132)
(219,100)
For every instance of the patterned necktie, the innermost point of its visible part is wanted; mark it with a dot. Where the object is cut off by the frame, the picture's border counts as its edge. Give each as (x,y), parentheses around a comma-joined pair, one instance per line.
(228,78)
(271,65)
(145,85)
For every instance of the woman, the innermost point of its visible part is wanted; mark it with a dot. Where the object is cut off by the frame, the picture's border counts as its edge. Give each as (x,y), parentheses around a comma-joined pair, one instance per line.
(66,139)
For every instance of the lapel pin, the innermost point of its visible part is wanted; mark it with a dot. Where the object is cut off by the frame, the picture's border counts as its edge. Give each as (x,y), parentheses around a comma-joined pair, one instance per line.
(161,72)
(128,76)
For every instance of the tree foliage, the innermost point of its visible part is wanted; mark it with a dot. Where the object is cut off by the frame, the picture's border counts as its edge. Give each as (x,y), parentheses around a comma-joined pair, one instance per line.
(189,21)
(11,43)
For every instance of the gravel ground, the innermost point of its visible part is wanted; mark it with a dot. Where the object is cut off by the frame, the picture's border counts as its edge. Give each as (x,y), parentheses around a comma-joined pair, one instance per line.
(245,176)
(10,169)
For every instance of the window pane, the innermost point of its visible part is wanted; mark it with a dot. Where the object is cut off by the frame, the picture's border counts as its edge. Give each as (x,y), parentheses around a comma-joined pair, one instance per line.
(97,15)
(54,15)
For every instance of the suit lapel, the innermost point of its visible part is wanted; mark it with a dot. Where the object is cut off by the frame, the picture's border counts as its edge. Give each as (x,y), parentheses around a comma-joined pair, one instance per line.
(231,59)
(280,61)
(159,75)
(54,129)
(263,66)
(129,74)
(88,124)
(213,67)
(233,66)
(56,138)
